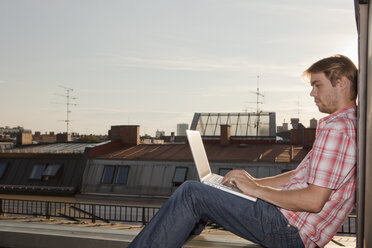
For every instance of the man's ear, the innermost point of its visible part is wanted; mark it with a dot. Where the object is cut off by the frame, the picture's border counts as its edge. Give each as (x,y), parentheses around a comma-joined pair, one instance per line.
(343,83)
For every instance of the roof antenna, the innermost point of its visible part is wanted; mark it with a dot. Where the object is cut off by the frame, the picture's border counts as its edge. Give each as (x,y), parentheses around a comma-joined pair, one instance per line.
(258,94)
(68,104)
(258,111)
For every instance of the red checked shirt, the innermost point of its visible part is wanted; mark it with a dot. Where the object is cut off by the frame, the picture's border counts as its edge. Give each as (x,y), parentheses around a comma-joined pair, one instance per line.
(331,163)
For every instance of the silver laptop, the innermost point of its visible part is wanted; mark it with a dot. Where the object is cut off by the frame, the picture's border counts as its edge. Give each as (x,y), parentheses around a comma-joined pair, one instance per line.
(204,170)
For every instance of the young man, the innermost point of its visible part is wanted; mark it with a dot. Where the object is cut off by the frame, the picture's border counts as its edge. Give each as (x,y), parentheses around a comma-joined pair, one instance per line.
(300,208)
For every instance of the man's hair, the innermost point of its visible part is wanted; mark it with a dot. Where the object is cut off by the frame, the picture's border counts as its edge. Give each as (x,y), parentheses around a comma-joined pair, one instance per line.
(334,68)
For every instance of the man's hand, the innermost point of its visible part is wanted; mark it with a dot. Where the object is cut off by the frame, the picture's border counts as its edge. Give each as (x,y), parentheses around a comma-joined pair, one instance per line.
(242,180)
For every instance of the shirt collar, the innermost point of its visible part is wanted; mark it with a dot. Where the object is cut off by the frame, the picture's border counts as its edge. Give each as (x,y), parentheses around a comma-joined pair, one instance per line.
(349,111)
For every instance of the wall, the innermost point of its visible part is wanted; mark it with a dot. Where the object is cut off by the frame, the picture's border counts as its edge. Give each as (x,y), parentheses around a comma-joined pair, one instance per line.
(154,178)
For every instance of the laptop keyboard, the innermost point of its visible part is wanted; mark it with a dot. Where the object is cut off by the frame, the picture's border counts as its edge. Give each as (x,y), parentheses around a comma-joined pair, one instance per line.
(216,181)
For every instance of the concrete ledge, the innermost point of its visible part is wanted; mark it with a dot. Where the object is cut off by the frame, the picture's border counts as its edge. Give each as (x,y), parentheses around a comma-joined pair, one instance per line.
(40,235)
(27,234)
(45,235)
(28,240)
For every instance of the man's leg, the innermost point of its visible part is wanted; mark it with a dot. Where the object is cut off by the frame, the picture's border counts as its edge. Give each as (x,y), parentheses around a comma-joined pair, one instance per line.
(194,204)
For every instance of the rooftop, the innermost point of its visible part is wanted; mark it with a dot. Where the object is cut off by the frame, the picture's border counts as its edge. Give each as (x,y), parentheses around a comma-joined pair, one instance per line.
(216,153)
(55,148)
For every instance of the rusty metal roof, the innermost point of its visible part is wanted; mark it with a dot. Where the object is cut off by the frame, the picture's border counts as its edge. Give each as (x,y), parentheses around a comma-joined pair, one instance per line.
(216,153)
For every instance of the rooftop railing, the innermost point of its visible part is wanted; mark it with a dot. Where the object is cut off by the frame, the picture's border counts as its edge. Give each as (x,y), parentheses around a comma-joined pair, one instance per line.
(106,213)
(78,211)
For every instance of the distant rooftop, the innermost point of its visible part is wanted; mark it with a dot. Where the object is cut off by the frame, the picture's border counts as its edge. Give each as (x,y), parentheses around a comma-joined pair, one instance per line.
(55,148)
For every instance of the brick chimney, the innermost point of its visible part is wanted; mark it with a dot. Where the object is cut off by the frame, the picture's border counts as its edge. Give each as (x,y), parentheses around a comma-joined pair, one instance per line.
(128,134)
(225,135)
(63,137)
(24,138)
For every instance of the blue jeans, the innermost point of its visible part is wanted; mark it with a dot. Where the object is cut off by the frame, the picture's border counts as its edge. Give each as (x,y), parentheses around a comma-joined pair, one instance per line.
(194,204)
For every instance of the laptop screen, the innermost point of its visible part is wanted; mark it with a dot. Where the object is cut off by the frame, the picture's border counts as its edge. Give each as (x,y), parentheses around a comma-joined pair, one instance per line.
(198,152)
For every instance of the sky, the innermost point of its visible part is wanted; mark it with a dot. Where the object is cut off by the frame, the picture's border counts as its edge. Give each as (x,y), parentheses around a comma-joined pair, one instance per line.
(155,63)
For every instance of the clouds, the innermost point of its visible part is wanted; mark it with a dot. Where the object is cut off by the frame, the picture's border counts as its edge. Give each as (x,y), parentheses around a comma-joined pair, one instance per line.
(158,62)
(98,110)
(229,64)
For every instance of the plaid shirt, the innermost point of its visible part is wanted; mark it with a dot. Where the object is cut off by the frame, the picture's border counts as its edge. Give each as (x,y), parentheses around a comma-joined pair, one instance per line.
(331,164)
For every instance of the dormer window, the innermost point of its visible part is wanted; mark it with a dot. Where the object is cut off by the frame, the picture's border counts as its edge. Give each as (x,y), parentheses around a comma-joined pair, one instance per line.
(179,176)
(41,171)
(122,175)
(115,174)
(3,167)
(51,170)
(37,172)
(108,174)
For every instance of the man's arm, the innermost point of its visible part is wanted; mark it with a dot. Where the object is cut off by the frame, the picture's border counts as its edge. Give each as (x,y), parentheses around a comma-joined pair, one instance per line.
(275,181)
(310,199)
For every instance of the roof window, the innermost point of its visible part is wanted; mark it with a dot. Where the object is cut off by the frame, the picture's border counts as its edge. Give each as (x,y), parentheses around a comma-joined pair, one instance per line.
(41,171)
(3,167)
(122,175)
(51,170)
(179,176)
(108,174)
(37,172)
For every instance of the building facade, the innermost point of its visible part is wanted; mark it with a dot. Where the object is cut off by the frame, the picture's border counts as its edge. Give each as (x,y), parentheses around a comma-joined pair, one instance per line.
(156,170)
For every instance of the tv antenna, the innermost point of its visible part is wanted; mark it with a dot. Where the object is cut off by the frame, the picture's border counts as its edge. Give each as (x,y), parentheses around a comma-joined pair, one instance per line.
(68,103)
(258,111)
(258,95)
(298,107)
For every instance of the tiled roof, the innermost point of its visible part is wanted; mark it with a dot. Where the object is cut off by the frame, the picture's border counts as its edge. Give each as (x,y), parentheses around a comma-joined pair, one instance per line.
(215,152)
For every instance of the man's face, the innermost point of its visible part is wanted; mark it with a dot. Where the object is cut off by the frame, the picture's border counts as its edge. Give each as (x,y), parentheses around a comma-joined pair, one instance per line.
(325,95)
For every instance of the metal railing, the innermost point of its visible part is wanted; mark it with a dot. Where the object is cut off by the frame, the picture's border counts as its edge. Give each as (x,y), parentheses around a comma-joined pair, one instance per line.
(349,226)
(78,211)
(106,213)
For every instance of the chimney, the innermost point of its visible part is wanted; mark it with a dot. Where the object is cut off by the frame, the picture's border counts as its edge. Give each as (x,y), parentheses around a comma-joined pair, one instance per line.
(172,137)
(63,137)
(24,138)
(225,135)
(128,134)
(294,122)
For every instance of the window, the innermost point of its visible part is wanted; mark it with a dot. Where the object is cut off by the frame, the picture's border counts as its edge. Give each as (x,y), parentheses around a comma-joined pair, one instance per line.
(51,170)
(224,171)
(42,171)
(37,172)
(108,174)
(122,175)
(179,176)
(3,167)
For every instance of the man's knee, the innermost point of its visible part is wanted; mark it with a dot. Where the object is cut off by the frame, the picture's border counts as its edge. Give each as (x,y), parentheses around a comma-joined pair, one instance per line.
(190,185)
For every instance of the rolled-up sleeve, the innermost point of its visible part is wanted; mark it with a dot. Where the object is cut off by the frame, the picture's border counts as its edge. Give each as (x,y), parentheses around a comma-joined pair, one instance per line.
(333,159)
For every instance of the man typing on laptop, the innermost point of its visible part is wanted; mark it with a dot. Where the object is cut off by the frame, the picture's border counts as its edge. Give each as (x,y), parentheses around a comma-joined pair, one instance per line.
(300,208)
